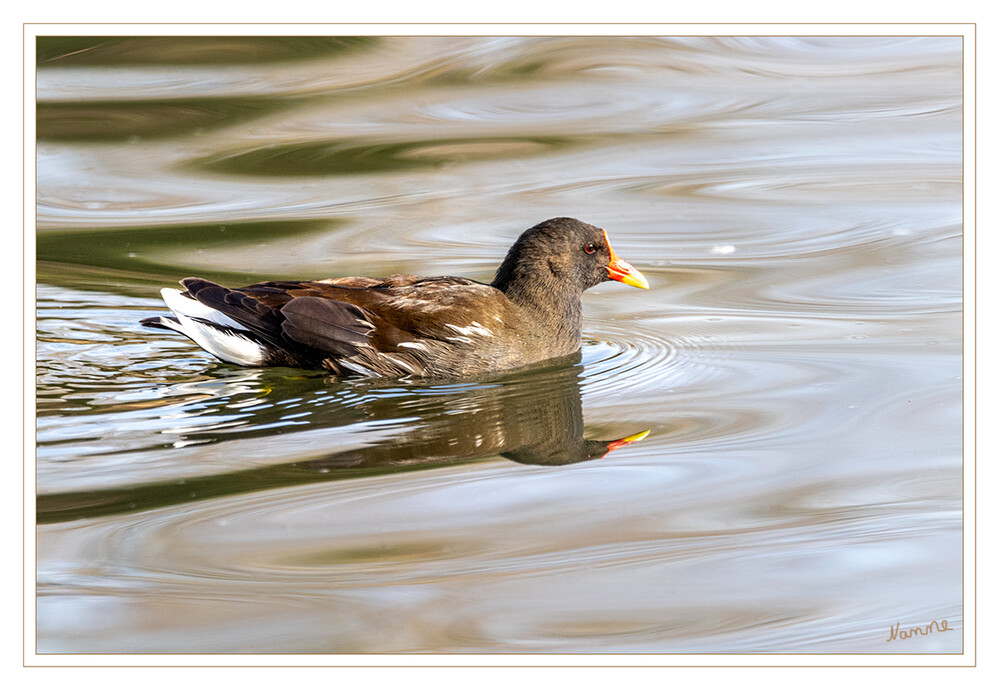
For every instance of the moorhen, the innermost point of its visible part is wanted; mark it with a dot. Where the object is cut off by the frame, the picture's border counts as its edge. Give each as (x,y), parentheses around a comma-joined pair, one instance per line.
(408,326)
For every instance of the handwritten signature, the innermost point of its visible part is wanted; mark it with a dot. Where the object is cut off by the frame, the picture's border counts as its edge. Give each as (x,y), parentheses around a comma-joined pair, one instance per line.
(898,634)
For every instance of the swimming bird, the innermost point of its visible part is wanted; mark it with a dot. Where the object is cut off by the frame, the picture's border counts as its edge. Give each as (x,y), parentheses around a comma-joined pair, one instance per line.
(408,326)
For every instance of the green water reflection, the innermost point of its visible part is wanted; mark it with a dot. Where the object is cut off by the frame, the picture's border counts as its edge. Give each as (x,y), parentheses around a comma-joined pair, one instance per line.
(320,158)
(123,120)
(191,50)
(155,251)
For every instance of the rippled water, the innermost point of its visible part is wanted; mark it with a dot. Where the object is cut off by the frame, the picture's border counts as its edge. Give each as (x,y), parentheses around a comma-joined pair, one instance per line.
(796,204)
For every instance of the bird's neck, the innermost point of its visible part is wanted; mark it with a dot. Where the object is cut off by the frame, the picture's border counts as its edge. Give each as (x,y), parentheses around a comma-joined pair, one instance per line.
(553,313)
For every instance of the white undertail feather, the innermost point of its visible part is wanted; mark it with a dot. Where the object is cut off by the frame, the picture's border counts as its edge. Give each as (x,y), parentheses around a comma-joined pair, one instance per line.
(179,303)
(234,348)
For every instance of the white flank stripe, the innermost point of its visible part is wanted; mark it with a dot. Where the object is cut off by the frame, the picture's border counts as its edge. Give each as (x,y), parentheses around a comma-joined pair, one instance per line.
(474,329)
(401,363)
(414,345)
(356,368)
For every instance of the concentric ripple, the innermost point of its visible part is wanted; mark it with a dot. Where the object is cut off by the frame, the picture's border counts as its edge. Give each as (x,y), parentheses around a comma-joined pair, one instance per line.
(619,358)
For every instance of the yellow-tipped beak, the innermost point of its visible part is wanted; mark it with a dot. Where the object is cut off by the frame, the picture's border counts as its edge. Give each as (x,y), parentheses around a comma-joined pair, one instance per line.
(614,445)
(620,270)
(634,437)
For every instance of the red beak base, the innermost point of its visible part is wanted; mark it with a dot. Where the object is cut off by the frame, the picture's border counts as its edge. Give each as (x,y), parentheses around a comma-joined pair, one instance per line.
(620,270)
(621,442)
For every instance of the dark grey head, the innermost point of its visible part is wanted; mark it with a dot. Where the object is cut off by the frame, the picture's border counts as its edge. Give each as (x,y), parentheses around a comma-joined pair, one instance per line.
(563,255)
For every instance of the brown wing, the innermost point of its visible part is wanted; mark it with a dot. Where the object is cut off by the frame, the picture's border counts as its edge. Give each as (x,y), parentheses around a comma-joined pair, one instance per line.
(392,327)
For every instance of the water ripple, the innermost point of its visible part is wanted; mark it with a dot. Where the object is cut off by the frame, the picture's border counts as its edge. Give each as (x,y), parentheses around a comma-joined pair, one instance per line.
(795,203)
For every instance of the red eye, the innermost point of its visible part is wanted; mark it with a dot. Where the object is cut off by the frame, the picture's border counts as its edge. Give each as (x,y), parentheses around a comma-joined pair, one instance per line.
(590,248)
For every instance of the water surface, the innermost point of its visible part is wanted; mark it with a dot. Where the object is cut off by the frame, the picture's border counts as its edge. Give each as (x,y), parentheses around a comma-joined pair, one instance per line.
(795,204)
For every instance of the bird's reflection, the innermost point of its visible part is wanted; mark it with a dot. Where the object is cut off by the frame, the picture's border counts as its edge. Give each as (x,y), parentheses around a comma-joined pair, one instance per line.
(532,417)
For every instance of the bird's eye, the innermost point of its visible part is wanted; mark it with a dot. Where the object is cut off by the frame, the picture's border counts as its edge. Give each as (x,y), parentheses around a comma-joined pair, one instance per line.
(590,248)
